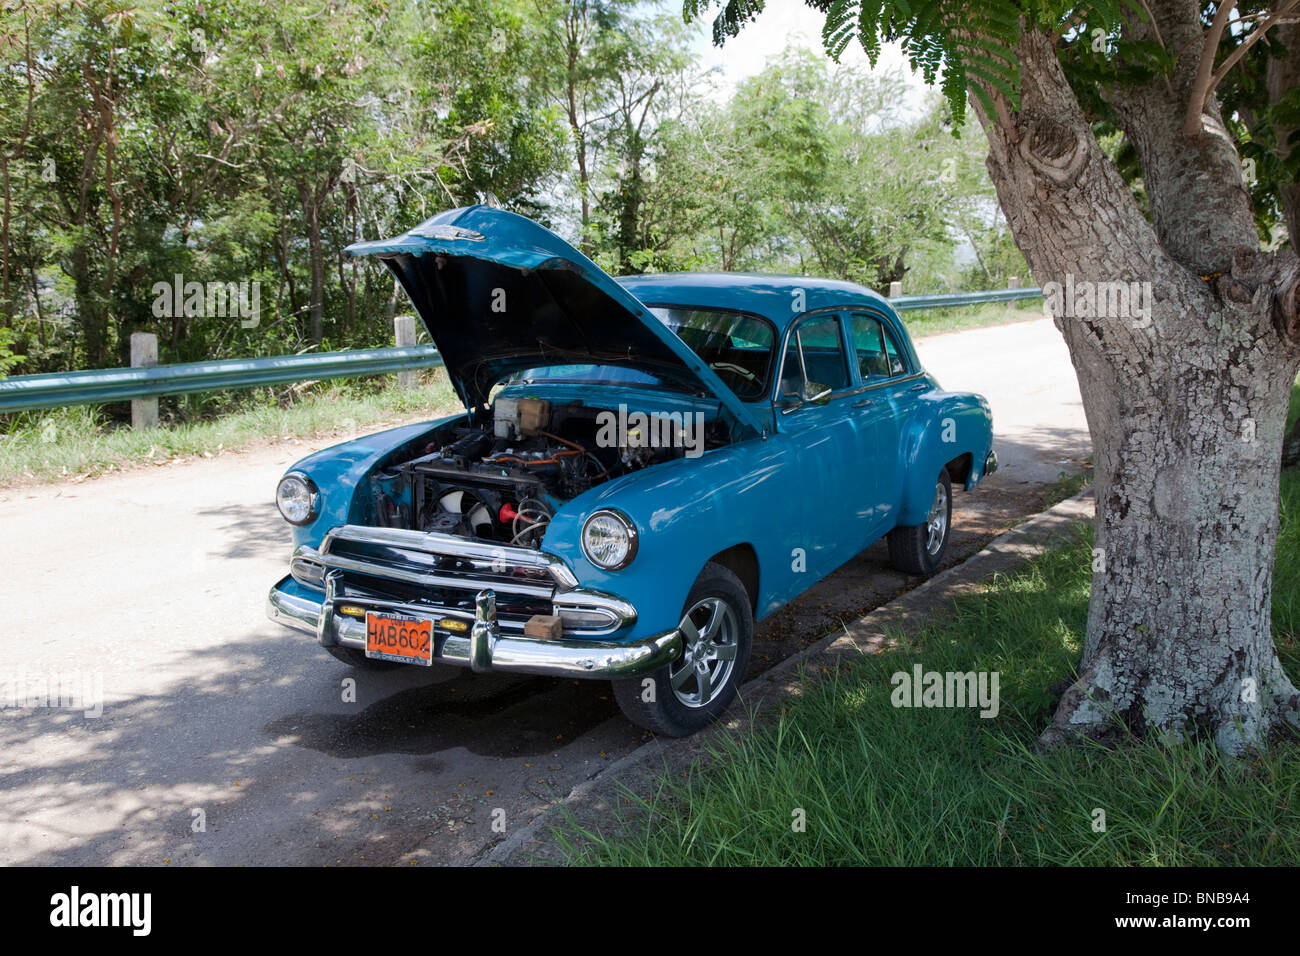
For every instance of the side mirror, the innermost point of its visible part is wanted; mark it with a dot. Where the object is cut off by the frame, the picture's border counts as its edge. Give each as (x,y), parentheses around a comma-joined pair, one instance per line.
(810,393)
(815,393)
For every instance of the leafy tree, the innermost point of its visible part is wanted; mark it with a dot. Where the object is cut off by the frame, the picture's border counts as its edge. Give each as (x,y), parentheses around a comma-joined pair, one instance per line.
(890,187)
(234,140)
(805,170)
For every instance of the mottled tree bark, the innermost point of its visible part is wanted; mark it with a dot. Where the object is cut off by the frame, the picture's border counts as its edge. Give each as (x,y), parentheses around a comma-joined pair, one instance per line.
(1185,390)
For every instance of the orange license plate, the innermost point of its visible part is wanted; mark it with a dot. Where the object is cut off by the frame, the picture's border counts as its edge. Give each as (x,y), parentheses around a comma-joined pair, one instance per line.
(395,637)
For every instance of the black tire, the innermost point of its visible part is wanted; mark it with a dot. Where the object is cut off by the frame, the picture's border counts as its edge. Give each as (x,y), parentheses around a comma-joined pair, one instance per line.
(652,702)
(357,658)
(912,549)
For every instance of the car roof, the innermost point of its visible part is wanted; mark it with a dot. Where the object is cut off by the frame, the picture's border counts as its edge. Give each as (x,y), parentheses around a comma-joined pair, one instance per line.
(771,296)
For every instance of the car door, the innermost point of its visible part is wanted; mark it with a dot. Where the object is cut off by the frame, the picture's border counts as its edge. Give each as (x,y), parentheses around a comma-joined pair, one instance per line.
(824,439)
(884,402)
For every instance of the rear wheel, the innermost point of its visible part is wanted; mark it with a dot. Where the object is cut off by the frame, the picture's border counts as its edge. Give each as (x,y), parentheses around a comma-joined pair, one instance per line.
(717,627)
(920,549)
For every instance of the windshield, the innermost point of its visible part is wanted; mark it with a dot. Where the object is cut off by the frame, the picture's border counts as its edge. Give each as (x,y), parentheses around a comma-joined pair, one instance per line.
(737,346)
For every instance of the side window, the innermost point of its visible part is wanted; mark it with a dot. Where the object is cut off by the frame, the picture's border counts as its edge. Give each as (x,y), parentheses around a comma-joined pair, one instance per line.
(877,353)
(815,353)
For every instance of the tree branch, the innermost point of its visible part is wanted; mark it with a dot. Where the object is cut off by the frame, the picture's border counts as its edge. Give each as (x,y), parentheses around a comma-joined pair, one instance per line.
(1203,83)
(1241,50)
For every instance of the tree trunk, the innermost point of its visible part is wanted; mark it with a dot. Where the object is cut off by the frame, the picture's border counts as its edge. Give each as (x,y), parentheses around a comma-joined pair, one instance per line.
(316,306)
(90,315)
(1185,383)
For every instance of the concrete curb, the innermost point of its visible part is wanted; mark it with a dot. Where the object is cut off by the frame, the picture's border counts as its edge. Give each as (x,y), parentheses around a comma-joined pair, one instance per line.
(867,634)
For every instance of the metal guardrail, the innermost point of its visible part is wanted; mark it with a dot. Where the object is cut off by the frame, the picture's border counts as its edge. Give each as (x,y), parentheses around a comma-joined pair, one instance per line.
(101,386)
(55,390)
(911,303)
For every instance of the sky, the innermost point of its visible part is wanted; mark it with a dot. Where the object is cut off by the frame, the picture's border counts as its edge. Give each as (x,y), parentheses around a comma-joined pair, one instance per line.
(782,23)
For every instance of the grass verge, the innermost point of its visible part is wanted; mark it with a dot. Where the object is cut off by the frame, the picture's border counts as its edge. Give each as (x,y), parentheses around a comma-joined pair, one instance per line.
(927,322)
(877,784)
(83,442)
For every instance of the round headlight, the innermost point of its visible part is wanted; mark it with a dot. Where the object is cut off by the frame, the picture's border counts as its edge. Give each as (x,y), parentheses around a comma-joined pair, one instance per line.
(296,497)
(609,540)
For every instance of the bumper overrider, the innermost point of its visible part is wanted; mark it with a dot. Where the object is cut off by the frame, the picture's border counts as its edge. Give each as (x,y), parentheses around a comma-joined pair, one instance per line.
(479,597)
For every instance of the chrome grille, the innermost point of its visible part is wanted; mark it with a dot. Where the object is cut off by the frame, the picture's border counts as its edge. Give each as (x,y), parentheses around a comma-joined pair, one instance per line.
(443,562)
(443,573)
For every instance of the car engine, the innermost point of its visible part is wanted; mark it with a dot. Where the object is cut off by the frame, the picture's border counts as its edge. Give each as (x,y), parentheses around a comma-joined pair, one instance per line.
(502,479)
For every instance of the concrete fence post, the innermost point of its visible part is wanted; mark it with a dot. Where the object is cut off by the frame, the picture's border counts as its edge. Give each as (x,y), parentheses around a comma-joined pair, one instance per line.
(1013,282)
(895,289)
(144,354)
(404,334)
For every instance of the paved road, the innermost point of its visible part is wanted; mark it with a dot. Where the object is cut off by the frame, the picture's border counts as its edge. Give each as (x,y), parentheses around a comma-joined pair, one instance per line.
(225,739)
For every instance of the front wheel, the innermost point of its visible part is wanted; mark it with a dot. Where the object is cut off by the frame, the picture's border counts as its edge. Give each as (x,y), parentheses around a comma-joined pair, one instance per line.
(919,549)
(717,629)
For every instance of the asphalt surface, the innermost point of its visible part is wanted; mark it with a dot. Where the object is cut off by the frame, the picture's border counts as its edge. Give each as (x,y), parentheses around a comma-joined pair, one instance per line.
(225,739)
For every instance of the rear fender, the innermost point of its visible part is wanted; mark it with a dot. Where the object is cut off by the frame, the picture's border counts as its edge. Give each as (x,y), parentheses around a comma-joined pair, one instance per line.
(952,424)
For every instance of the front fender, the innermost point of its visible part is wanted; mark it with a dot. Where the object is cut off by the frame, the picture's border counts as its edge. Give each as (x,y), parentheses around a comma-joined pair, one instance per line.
(340,470)
(685,512)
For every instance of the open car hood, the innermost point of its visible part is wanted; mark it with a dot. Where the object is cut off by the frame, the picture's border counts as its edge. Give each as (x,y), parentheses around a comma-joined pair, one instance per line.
(500,294)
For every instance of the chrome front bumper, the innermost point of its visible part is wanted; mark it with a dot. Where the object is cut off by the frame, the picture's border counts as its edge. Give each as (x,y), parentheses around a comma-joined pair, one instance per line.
(485,648)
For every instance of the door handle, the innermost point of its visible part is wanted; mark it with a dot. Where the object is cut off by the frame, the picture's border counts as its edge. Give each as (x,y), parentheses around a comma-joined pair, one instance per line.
(864,403)
(918,388)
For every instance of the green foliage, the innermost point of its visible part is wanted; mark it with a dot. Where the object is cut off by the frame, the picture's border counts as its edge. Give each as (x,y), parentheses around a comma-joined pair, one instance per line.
(811,169)
(238,141)
(7,357)
(1266,129)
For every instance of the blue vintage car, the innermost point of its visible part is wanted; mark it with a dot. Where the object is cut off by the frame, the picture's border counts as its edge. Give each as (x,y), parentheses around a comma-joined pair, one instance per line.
(645,467)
